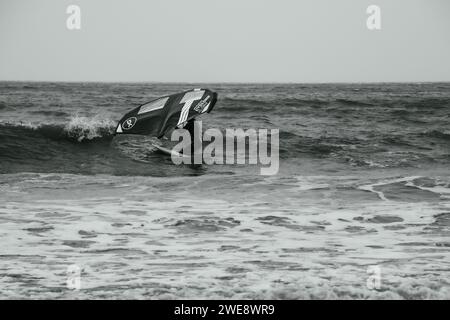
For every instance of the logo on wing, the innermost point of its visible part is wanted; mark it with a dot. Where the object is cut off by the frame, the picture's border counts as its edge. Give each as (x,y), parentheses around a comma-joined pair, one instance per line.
(202,106)
(129,123)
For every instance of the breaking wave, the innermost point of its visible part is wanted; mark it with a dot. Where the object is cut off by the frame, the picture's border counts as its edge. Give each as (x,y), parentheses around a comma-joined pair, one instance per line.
(78,129)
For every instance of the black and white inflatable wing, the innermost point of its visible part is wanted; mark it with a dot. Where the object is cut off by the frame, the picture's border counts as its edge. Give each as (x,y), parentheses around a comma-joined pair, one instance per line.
(164,114)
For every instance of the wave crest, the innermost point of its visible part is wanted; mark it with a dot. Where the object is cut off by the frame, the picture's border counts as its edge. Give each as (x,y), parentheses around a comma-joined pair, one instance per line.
(89,128)
(79,128)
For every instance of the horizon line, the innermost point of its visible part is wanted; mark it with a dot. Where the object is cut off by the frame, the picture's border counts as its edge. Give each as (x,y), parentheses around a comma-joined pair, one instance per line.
(229,82)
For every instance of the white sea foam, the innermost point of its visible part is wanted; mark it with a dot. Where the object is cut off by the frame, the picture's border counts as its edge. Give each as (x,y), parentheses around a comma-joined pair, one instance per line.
(197,241)
(371,187)
(88,128)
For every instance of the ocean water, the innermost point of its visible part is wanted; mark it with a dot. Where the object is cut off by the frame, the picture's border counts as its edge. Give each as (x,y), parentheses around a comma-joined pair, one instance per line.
(364,182)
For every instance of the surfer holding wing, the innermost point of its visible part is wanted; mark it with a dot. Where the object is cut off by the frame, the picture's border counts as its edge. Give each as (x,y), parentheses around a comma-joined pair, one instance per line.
(161,116)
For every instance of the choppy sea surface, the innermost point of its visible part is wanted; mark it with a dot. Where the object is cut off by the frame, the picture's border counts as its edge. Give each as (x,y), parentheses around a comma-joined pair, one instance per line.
(364,183)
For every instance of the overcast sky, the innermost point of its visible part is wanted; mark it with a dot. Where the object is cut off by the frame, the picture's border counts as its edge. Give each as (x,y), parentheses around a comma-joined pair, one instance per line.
(225,41)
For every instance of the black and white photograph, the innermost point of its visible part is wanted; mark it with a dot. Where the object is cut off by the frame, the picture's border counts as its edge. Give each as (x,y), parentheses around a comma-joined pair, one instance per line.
(203,150)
